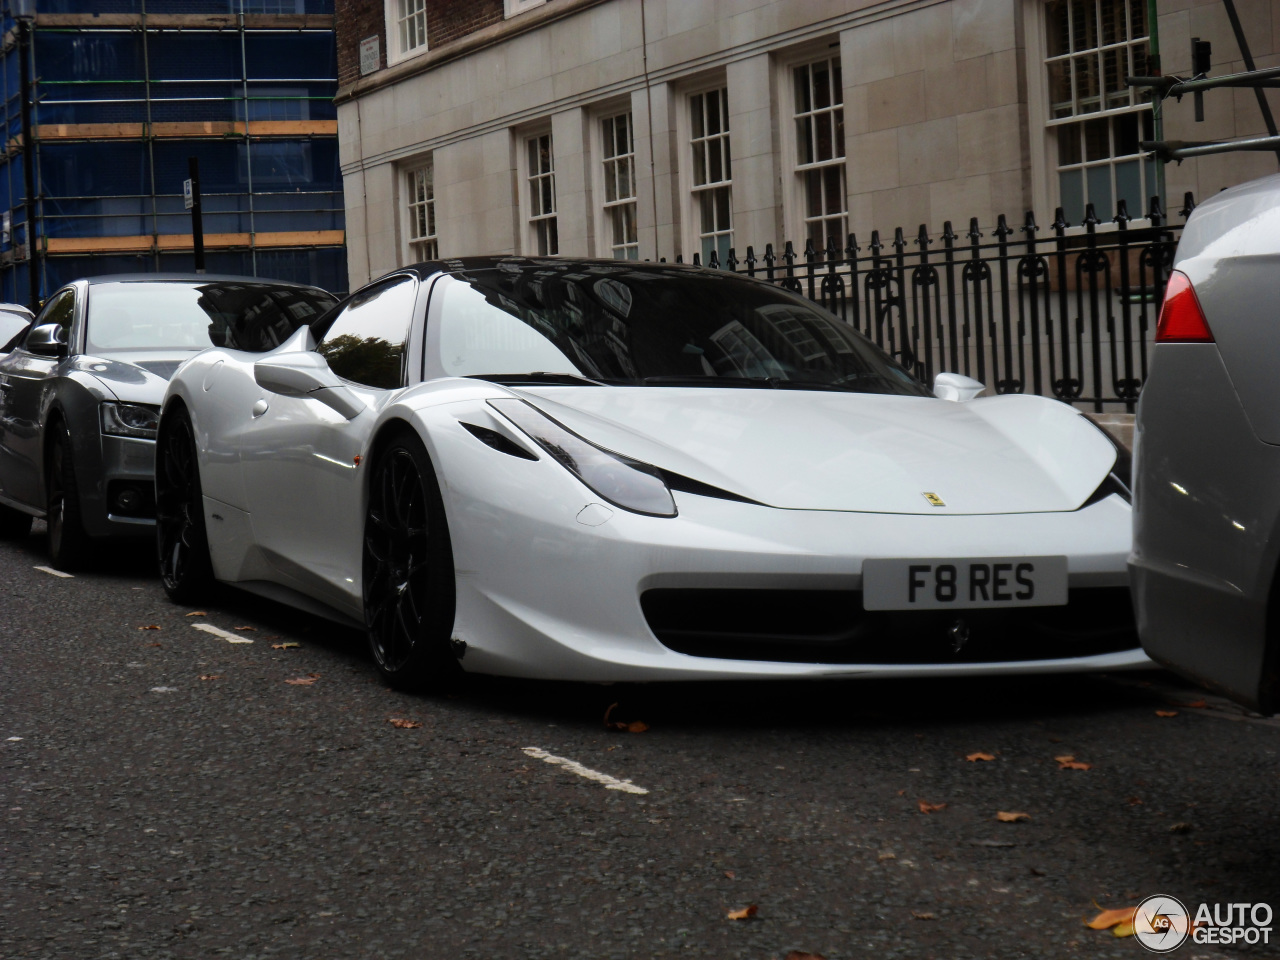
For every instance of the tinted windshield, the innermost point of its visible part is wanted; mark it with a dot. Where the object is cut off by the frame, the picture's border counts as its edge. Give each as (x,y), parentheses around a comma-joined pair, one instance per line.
(159,315)
(652,327)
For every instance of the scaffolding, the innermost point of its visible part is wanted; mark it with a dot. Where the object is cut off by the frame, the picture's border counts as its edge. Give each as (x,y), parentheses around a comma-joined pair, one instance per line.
(120,93)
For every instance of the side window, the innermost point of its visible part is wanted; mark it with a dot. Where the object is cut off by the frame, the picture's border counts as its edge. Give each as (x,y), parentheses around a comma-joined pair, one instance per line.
(12,328)
(367,340)
(59,310)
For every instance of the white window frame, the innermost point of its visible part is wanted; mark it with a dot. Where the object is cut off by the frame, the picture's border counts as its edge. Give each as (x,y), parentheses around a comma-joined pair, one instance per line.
(418,248)
(795,197)
(689,189)
(602,162)
(1045,191)
(513,8)
(396,51)
(530,214)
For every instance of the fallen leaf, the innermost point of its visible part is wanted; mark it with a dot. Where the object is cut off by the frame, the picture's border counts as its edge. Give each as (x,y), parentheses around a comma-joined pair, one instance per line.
(886,855)
(1109,918)
(244,628)
(746,913)
(802,955)
(196,613)
(636,726)
(284,646)
(609,710)
(1166,713)
(306,681)
(973,757)
(926,807)
(922,916)
(210,676)
(1068,762)
(1180,828)
(1194,704)
(902,793)
(730,874)
(153,626)
(1006,816)
(402,724)
(161,645)
(1123,929)
(1134,801)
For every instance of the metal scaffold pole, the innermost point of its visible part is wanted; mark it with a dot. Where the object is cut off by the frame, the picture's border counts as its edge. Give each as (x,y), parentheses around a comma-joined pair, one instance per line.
(28,162)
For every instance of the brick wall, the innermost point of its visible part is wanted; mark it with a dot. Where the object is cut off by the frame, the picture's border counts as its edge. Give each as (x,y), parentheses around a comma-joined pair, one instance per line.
(447,20)
(450,19)
(353,21)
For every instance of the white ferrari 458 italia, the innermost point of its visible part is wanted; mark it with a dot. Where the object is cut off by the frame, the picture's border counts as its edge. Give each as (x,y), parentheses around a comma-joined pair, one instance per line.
(599,471)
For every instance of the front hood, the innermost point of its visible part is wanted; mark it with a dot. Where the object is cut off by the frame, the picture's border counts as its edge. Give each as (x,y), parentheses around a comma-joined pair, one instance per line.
(135,376)
(808,450)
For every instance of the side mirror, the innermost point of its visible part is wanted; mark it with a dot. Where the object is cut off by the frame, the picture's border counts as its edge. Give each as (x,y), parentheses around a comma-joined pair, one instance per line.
(307,375)
(956,387)
(48,340)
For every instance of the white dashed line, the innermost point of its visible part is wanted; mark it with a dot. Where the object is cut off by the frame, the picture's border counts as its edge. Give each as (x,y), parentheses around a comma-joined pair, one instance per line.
(610,783)
(56,573)
(219,632)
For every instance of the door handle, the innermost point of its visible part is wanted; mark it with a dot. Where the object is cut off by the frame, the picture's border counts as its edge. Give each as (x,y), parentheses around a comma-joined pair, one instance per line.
(261,407)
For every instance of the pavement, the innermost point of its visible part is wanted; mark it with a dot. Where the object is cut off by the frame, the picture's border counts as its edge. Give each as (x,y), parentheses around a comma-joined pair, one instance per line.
(168,792)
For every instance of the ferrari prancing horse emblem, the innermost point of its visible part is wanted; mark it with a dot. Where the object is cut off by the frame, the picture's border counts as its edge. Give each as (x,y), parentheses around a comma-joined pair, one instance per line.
(934,499)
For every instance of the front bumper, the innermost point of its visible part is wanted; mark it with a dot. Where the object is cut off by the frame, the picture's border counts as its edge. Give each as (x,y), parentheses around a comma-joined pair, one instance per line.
(117,488)
(545,589)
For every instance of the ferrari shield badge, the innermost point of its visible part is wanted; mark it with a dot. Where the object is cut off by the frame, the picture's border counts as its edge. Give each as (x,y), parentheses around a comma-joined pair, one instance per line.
(934,499)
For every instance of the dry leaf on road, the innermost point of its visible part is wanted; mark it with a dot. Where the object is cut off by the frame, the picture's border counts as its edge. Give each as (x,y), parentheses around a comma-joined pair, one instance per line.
(635,726)
(730,874)
(161,645)
(306,681)
(196,613)
(1009,816)
(1109,918)
(802,955)
(284,646)
(153,626)
(244,628)
(746,913)
(973,757)
(1069,762)
(210,676)
(921,916)
(926,807)
(400,723)
(1166,713)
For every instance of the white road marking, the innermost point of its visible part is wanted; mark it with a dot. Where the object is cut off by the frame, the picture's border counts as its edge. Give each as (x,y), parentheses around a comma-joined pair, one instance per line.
(610,783)
(219,632)
(56,573)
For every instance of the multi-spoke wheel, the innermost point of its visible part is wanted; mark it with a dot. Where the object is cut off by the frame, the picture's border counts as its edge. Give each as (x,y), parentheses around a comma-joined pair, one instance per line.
(408,569)
(185,569)
(69,545)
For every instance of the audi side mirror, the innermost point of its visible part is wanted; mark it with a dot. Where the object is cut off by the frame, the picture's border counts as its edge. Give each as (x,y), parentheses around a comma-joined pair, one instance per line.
(956,387)
(48,340)
(307,375)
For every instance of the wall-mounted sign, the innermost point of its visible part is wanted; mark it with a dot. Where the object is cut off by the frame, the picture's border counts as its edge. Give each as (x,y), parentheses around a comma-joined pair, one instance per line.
(370,54)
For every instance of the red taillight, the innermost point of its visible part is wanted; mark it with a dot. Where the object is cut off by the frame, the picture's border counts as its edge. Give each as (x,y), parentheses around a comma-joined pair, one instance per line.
(1181,319)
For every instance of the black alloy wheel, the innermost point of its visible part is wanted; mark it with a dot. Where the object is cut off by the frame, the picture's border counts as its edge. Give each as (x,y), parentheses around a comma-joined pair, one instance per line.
(69,546)
(408,580)
(181,539)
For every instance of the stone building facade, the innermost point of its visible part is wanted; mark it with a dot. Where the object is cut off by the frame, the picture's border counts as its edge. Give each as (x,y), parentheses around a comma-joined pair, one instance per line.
(648,128)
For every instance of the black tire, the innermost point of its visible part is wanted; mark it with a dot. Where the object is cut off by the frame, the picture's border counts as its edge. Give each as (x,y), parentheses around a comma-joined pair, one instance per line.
(14,524)
(70,548)
(181,540)
(408,580)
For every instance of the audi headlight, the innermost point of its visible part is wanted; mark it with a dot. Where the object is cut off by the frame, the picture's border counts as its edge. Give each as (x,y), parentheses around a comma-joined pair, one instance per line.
(130,420)
(621,481)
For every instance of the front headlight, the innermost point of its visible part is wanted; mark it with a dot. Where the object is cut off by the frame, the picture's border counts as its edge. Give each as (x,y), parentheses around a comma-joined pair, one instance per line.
(621,481)
(130,420)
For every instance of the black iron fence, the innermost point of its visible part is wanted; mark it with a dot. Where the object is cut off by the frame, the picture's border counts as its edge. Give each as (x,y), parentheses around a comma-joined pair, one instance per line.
(1067,314)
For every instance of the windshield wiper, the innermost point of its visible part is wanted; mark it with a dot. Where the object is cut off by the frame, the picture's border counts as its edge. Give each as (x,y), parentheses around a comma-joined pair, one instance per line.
(541,377)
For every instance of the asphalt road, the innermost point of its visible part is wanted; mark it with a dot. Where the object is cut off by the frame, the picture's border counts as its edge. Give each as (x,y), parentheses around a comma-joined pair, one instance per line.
(173,795)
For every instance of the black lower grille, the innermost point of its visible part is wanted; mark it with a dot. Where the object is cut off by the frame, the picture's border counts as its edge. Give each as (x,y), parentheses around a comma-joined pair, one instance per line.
(830,626)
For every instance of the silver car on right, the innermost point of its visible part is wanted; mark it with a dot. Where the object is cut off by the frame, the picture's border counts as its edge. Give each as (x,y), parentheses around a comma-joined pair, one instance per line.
(1206,467)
